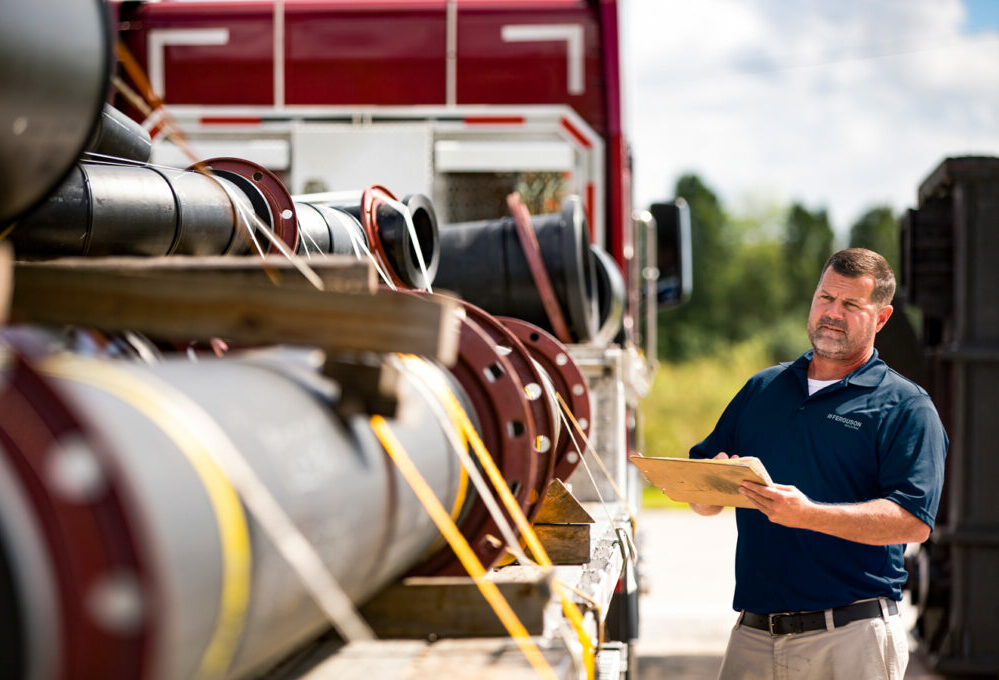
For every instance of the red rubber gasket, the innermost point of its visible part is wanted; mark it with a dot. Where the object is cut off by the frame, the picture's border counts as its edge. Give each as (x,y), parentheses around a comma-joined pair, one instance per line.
(372,197)
(279,200)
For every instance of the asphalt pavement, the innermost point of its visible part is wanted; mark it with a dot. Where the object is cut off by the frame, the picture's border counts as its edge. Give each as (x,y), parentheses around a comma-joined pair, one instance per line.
(686,607)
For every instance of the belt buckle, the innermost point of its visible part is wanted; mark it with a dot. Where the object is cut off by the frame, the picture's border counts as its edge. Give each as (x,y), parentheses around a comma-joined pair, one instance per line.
(770,623)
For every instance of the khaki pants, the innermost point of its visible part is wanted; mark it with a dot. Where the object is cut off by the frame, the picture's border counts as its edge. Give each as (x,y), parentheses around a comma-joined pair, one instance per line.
(868,649)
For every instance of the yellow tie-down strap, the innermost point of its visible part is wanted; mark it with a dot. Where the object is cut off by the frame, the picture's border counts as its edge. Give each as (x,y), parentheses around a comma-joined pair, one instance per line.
(461,548)
(171,417)
(458,415)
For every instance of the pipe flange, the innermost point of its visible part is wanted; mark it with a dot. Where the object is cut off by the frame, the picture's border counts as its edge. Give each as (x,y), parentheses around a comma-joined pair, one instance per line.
(102,587)
(544,413)
(507,430)
(280,204)
(569,382)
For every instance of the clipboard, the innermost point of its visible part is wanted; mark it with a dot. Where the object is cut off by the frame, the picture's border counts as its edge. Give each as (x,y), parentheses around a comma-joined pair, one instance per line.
(711,482)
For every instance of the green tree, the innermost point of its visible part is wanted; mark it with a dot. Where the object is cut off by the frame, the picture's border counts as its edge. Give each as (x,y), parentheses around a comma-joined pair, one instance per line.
(877,230)
(808,243)
(753,277)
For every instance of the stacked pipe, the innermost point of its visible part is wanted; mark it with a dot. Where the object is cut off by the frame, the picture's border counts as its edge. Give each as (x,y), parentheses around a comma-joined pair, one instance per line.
(484,262)
(120,555)
(124,557)
(103,209)
(126,549)
(401,234)
(214,208)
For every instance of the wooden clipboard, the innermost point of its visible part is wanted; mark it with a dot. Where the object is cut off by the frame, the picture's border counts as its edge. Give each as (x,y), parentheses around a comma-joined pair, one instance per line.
(711,482)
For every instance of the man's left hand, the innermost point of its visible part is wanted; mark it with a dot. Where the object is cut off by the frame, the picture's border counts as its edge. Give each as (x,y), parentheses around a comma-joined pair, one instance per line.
(781,503)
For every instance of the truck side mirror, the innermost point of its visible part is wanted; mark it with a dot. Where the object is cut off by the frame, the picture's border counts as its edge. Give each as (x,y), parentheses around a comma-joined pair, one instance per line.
(675,279)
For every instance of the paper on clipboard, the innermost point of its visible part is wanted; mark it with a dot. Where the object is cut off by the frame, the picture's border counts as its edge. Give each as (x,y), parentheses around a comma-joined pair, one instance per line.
(711,482)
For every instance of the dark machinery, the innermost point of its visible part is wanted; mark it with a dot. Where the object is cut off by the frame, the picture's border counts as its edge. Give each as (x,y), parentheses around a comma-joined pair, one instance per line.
(950,245)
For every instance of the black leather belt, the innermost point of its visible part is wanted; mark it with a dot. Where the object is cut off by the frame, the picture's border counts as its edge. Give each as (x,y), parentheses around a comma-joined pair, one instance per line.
(801,622)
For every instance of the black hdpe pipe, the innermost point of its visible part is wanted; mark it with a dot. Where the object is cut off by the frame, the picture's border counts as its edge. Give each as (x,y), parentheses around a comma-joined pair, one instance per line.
(611,296)
(119,136)
(484,263)
(388,234)
(56,56)
(327,230)
(136,210)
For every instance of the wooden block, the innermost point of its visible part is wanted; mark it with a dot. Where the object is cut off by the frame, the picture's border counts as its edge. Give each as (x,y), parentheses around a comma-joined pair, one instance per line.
(565,543)
(172,306)
(453,607)
(368,385)
(561,507)
(338,273)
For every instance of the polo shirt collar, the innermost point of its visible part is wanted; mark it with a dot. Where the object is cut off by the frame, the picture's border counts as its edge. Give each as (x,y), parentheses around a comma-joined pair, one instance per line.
(869,375)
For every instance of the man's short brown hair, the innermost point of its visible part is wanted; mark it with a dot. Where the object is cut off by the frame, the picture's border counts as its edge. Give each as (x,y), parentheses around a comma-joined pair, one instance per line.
(857,262)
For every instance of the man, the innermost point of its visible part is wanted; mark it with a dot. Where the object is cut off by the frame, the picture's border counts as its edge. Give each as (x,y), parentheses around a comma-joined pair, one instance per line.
(856,453)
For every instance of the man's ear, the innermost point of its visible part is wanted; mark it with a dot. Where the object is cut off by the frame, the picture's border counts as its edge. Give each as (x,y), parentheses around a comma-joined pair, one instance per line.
(883,315)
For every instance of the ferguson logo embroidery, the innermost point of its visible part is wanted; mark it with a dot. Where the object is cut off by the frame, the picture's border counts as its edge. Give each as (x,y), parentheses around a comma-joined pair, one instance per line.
(849,422)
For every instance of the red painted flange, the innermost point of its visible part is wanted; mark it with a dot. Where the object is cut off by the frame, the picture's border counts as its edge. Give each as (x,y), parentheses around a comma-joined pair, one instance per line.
(85,530)
(569,382)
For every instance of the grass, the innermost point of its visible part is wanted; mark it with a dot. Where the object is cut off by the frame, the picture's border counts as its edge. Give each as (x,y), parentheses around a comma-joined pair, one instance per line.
(686,400)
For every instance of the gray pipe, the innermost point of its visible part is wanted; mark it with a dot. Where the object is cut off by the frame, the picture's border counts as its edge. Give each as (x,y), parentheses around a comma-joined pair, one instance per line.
(119,136)
(331,477)
(329,230)
(135,210)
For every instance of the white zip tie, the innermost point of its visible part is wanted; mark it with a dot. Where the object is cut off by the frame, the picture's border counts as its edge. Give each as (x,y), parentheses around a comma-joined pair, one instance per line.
(582,459)
(407,215)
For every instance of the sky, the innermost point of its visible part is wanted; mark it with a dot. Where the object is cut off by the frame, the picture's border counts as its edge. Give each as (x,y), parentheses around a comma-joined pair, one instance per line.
(837,104)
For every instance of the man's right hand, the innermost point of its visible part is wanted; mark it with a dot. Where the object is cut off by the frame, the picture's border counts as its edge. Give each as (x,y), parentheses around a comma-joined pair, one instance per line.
(708,510)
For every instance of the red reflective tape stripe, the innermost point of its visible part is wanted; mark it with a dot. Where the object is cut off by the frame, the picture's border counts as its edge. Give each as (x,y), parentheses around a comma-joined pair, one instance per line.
(576,133)
(230,120)
(494,120)
(591,197)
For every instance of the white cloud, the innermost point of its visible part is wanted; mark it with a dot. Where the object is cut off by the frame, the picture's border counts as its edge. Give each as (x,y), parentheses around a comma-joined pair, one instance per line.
(837,104)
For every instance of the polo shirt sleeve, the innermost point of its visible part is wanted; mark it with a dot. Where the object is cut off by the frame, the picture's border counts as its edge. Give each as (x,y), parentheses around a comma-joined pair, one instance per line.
(912,448)
(722,438)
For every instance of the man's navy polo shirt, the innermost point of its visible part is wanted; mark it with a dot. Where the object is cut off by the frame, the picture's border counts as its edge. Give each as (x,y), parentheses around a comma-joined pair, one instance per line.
(874,434)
